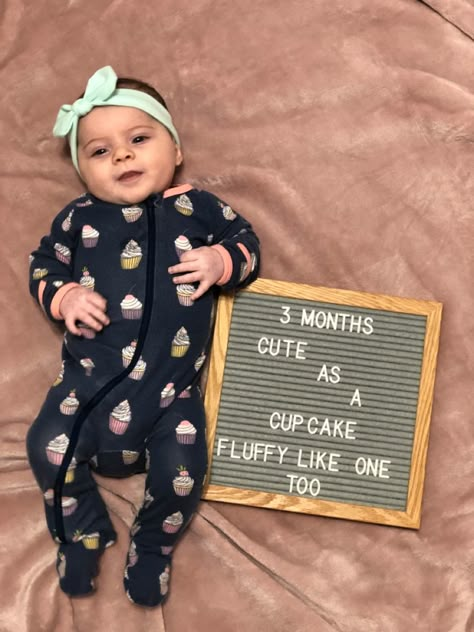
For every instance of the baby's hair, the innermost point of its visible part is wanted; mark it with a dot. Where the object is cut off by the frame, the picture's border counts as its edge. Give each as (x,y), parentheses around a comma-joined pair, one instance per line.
(130,84)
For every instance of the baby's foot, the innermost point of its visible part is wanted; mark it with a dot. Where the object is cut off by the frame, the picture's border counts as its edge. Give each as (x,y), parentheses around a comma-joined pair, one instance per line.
(146,578)
(78,563)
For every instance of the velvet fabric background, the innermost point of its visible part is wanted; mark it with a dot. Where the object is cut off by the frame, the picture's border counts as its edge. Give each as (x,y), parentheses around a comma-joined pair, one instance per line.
(344,131)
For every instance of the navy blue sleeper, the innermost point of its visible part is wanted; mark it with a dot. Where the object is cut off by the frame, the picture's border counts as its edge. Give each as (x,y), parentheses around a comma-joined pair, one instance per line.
(127,398)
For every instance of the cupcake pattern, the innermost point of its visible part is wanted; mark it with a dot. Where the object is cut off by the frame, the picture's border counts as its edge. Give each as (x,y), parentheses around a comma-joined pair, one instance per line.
(131,307)
(138,370)
(89,245)
(60,375)
(86,201)
(63,253)
(173,522)
(49,497)
(164,579)
(184,205)
(90,236)
(128,352)
(180,343)
(88,540)
(130,456)
(56,449)
(120,417)
(185,433)
(131,256)
(186,394)
(68,505)
(132,213)
(70,404)
(200,361)
(227,212)
(67,223)
(91,541)
(167,395)
(182,245)
(39,273)
(88,365)
(184,291)
(132,554)
(86,279)
(71,472)
(183,483)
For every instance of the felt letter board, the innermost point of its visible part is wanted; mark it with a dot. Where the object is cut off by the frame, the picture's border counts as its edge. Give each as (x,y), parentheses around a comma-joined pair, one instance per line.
(319,401)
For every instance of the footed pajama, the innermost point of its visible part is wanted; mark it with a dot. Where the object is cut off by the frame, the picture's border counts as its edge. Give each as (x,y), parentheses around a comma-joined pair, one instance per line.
(126,399)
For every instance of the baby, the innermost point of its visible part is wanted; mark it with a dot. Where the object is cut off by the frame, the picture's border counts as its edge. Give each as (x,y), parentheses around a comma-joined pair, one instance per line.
(131,267)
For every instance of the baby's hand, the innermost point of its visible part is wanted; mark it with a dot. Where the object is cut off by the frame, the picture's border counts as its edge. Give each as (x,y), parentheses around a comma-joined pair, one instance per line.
(80,304)
(200,265)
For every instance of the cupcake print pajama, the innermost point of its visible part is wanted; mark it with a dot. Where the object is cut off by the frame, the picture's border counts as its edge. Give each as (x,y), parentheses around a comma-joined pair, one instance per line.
(126,400)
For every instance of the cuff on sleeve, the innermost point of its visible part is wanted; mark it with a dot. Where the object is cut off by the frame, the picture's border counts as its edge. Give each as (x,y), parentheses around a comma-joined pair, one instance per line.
(41,289)
(58,297)
(227,260)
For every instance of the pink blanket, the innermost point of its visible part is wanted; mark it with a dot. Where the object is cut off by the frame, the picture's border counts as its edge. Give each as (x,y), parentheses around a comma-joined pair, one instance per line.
(343,130)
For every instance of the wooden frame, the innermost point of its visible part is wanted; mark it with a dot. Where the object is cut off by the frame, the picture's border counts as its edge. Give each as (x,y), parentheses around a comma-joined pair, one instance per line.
(409,518)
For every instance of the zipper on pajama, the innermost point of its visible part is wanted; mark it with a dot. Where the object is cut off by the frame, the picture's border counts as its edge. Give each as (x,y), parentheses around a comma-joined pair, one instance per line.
(152,207)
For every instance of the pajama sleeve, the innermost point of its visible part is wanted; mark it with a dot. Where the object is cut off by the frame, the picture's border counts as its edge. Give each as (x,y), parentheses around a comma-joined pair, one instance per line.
(233,237)
(51,265)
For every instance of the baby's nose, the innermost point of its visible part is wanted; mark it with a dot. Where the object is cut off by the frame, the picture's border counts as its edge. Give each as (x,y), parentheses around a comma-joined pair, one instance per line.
(122,153)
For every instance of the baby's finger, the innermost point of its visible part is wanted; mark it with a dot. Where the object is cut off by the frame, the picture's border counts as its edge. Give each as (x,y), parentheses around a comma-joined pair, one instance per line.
(202,289)
(98,301)
(98,318)
(91,323)
(92,317)
(179,268)
(192,277)
(190,255)
(71,326)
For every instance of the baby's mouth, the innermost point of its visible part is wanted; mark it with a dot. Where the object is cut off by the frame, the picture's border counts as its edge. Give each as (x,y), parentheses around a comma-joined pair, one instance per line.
(129,176)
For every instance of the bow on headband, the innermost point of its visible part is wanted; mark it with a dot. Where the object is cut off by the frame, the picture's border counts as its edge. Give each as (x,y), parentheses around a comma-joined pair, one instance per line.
(101,91)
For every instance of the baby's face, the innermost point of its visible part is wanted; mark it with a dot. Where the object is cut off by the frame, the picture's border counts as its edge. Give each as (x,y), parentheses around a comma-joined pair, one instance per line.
(125,155)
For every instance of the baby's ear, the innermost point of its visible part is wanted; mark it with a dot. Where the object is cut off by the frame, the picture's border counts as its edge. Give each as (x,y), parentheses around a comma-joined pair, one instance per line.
(179,156)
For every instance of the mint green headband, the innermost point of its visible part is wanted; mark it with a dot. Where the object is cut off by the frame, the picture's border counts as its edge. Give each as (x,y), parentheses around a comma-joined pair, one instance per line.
(101,91)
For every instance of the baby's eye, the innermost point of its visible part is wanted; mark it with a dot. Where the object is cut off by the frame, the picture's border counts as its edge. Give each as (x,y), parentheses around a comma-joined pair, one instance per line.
(99,152)
(139,139)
